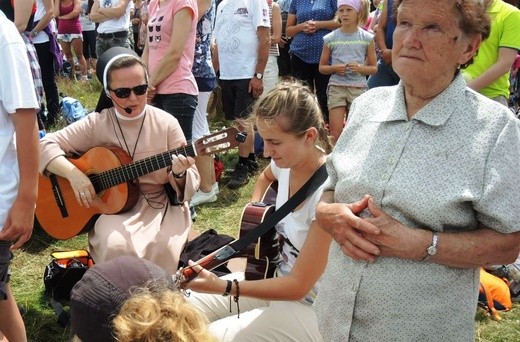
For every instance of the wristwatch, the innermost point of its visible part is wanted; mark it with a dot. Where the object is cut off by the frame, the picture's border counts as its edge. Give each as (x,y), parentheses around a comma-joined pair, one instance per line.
(259,75)
(432,250)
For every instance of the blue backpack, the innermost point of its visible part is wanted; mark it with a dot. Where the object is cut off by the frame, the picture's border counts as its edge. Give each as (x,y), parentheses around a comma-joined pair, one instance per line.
(72,110)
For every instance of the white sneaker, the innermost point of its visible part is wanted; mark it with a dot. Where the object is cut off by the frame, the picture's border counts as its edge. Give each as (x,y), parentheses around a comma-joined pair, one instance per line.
(204,197)
(215,189)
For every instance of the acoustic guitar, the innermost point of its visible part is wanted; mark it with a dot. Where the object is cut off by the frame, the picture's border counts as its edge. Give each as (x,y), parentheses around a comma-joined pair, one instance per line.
(115,179)
(261,256)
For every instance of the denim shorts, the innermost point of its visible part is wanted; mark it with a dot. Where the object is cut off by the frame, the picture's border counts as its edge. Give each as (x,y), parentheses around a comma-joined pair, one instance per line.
(181,106)
(69,37)
(5,260)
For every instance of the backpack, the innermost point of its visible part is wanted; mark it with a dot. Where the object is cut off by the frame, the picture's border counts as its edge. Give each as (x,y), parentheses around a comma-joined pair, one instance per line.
(510,272)
(494,294)
(65,269)
(72,110)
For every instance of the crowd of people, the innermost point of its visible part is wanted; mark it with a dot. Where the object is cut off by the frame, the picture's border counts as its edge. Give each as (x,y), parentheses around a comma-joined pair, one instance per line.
(404,102)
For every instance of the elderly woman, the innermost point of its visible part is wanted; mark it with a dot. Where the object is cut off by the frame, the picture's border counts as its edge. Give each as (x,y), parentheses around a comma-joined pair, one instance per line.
(153,229)
(422,189)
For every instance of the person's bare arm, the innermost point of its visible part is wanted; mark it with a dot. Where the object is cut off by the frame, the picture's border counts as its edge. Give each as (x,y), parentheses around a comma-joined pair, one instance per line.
(469,249)
(171,59)
(22,13)
(115,12)
(20,220)
(276,34)
(380,35)
(308,268)
(506,58)
(74,13)
(47,17)
(95,15)
(214,56)
(202,7)
(256,86)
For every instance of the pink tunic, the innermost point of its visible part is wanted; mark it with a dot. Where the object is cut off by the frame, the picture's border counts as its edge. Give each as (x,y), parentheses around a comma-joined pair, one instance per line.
(152,229)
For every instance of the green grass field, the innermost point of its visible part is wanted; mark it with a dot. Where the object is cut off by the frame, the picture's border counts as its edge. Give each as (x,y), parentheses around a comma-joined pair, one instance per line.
(223,215)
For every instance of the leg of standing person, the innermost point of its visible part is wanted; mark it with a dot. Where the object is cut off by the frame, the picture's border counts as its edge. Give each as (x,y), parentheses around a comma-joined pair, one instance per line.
(310,75)
(66,47)
(46,60)
(237,101)
(208,189)
(321,82)
(11,324)
(77,45)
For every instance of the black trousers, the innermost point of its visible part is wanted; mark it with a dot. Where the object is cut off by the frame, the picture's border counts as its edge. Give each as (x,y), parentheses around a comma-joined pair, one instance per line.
(310,74)
(50,88)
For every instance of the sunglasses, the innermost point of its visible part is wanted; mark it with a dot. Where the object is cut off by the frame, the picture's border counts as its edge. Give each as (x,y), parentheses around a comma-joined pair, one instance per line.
(123,93)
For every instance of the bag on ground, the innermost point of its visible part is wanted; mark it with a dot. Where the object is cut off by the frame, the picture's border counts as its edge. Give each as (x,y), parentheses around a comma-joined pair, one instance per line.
(494,295)
(64,270)
(72,110)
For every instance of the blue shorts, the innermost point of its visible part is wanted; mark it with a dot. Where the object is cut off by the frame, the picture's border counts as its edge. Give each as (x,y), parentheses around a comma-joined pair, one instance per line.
(5,260)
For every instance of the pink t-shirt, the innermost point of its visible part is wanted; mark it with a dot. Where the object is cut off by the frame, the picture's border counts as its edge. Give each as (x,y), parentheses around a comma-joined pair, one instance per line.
(160,24)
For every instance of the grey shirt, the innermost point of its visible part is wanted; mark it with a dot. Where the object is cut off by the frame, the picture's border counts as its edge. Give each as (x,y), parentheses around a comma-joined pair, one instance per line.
(451,166)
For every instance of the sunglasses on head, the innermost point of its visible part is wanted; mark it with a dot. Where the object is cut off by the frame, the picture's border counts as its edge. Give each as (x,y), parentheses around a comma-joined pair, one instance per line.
(123,93)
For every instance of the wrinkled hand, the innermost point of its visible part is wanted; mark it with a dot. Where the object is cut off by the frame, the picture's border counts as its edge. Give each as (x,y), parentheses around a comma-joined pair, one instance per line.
(394,238)
(347,229)
(19,224)
(256,87)
(181,163)
(82,186)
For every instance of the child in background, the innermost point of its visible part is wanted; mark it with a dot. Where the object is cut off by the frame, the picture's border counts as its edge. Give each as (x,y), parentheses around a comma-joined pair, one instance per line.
(348,56)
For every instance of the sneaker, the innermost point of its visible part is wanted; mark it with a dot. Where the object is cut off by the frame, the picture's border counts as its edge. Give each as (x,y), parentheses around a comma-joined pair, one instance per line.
(204,197)
(252,166)
(240,176)
(215,188)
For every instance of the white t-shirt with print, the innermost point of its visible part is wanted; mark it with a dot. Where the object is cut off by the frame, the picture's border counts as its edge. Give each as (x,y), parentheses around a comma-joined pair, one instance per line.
(236,37)
(14,82)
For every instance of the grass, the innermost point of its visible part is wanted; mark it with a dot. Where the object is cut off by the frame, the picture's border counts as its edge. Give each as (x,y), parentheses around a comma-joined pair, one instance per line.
(223,215)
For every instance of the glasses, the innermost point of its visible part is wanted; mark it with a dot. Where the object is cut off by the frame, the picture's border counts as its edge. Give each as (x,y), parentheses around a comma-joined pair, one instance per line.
(123,93)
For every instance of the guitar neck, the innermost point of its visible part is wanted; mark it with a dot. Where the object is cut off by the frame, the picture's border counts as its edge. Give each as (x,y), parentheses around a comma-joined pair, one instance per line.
(128,172)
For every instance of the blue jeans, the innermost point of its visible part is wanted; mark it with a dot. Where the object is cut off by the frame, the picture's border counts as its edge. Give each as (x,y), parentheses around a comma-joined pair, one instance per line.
(102,45)
(181,106)
(385,76)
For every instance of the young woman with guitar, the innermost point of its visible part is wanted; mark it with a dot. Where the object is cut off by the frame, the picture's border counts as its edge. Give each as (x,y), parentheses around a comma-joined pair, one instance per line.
(152,228)
(289,120)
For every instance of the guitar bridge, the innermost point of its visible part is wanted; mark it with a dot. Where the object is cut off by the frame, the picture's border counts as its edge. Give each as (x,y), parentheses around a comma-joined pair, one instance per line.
(58,197)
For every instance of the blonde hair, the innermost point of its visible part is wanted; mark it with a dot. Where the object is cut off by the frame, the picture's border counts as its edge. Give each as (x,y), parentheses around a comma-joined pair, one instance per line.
(160,315)
(293,101)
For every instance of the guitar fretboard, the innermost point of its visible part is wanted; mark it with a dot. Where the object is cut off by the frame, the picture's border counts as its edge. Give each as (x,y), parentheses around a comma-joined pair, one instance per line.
(128,172)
